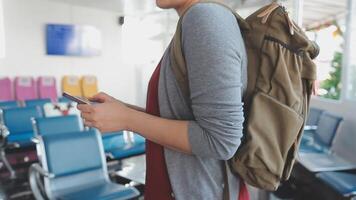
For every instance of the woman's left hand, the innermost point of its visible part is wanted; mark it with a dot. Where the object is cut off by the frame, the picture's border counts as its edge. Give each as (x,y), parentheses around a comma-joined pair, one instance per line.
(108,116)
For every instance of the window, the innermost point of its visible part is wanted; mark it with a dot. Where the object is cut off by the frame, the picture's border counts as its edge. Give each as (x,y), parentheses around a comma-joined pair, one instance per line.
(330,39)
(324,22)
(2,32)
(352,51)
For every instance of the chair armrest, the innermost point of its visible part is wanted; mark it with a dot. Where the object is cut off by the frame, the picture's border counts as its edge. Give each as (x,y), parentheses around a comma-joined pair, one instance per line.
(35,140)
(310,128)
(13,145)
(4,132)
(37,168)
(37,187)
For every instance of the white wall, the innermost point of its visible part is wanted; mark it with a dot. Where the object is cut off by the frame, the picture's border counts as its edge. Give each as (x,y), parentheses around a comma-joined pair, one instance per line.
(26,54)
(2,38)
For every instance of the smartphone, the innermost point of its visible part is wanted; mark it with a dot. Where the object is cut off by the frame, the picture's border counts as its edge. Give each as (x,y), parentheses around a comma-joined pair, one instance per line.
(79,100)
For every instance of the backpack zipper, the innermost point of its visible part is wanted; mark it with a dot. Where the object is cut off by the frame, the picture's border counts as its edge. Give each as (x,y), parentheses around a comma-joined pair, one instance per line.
(273,6)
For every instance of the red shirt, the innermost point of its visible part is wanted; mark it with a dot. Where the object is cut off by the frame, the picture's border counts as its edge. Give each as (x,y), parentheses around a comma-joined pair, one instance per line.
(158,186)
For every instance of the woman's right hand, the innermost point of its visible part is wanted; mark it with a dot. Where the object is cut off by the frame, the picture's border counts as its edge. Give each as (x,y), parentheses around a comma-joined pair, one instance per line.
(102,97)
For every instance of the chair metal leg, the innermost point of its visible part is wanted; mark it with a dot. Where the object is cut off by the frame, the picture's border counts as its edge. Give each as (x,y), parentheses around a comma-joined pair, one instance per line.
(7,164)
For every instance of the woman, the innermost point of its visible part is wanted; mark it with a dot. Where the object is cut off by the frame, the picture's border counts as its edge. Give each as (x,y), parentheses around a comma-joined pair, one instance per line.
(196,139)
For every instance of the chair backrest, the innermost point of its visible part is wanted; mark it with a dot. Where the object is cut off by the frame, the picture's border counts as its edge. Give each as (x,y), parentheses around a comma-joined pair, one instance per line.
(57,125)
(6,91)
(60,109)
(25,88)
(138,138)
(313,116)
(76,159)
(37,102)
(64,100)
(71,85)
(18,120)
(8,104)
(89,86)
(47,87)
(328,125)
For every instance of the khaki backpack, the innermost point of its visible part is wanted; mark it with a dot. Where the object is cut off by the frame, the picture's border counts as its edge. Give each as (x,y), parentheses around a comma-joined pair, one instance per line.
(281,74)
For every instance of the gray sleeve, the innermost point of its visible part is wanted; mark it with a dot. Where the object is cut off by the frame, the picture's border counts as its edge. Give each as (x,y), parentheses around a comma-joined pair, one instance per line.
(213,49)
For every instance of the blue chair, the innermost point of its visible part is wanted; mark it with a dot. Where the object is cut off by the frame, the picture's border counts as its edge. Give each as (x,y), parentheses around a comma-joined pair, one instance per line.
(57,125)
(18,122)
(74,167)
(341,182)
(323,136)
(113,140)
(64,100)
(37,102)
(8,104)
(313,116)
(133,145)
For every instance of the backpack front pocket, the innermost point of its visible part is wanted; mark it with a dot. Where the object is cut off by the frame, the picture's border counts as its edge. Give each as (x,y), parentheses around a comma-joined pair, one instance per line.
(275,128)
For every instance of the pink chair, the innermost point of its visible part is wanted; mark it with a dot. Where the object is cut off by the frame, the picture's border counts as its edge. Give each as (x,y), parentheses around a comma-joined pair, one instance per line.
(6,93)
(25,88)
(47,88)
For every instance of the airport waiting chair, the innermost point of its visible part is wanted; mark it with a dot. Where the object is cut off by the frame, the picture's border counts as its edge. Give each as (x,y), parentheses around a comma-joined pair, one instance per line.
(313,117)
(6,91)
(89,85)
(8,104)
(311,125)
(64,100)
(37,102)
(25,88)
(71,85)
(74,167)
(16,130)
(342,182)
(130,145)
(18,122)
(57,125)
(324,134)
(113,140)
(47,88)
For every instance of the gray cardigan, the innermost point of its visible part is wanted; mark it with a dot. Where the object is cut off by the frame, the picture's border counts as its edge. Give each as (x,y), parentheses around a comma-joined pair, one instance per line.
(216,62)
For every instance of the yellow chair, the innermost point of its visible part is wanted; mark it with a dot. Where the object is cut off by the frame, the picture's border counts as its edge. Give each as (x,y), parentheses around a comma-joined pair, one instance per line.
(71,85)
(89,86)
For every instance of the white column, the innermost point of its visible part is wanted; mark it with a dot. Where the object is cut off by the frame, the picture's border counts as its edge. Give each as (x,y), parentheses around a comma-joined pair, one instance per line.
(2,31)
(346,65)
(298,11)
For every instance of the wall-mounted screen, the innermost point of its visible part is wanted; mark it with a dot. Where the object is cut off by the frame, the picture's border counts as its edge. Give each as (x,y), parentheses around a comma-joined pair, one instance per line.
(73,40)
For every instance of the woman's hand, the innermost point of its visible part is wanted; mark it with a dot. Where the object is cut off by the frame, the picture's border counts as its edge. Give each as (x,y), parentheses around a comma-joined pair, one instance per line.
(108,115)
(111,115)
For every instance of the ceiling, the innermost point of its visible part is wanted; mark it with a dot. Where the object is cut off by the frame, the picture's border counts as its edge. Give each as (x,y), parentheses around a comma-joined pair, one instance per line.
(315,12)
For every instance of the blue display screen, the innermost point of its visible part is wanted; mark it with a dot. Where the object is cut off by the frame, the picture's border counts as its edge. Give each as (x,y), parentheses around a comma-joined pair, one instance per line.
(72,40)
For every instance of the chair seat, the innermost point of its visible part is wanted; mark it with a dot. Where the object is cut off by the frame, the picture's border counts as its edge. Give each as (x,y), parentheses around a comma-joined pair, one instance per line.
(102,191)
(344,183)
(309,147)
(128,151)
(23,139)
